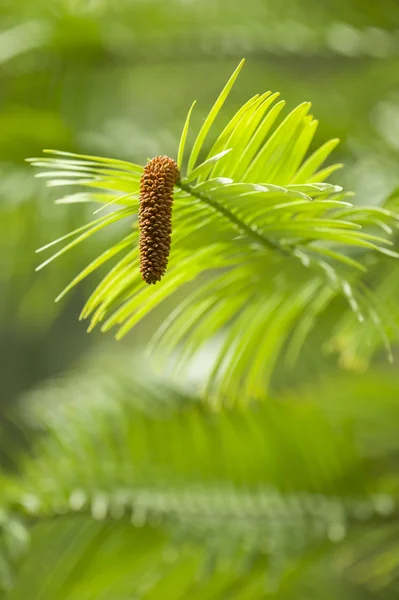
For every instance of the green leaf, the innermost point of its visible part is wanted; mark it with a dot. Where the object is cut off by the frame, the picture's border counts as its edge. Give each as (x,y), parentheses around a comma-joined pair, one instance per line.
(99,224)
(96,263)
(182,143)
(249,150)
(256,213)
(263,166)
(210,118)
(310,166)
(224,137)
(123,164)
(198,171)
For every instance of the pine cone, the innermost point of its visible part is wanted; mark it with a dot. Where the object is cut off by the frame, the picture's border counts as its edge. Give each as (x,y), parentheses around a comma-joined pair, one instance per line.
(155,216)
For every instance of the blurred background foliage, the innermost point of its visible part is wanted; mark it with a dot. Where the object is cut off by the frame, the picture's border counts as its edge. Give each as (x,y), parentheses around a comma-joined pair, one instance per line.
(116,79)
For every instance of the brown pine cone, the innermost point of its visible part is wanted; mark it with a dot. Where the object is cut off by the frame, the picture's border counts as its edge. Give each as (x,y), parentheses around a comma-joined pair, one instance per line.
(155,216)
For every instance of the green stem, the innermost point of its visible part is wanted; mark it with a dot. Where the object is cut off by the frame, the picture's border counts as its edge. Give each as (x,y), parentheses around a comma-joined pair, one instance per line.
(241,225)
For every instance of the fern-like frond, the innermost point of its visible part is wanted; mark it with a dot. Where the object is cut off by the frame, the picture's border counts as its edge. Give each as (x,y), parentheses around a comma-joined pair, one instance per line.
(164,476)
(255,214)
(356,346)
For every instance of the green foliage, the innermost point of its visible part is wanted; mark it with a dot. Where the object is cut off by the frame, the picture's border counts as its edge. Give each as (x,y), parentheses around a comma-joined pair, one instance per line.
(116,487)
(256,217)
(143,490)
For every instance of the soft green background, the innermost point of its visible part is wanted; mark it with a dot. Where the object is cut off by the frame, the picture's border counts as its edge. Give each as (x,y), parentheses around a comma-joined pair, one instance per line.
(116,78)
